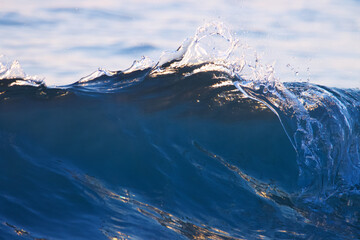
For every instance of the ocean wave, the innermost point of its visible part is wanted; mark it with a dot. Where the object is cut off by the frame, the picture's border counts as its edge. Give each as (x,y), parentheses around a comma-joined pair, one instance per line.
(321,123)
(176,112)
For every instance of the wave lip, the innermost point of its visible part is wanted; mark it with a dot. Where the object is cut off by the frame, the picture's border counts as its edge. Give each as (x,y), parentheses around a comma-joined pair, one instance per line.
(323,126)
(13,70)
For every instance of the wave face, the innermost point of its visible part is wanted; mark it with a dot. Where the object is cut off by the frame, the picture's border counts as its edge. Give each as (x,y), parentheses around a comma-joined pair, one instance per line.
(204,144)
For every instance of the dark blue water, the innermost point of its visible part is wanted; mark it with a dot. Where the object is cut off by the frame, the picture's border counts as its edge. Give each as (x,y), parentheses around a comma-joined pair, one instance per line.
(174,153)
(207,143)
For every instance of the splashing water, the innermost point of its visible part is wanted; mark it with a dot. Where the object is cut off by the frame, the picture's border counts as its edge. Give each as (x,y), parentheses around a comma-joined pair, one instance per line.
(192,115)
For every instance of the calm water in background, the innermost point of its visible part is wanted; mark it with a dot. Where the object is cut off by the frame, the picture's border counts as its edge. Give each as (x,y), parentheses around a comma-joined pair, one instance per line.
(177,150)
(64,41)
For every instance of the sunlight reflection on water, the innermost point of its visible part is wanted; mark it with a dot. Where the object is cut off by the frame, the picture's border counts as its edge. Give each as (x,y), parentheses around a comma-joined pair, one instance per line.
(64,41)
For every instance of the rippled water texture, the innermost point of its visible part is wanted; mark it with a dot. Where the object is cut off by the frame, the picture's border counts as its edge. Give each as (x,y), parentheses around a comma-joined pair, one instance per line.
(64,41)
(155,155)
(208,141)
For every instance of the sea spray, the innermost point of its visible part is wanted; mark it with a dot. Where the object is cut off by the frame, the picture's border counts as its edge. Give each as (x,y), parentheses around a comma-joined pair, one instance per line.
(179,148)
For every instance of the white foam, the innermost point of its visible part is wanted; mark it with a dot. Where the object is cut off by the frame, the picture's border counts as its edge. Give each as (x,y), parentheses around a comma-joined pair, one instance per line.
(142,64)
(216,46)
(98,73)
(13,70)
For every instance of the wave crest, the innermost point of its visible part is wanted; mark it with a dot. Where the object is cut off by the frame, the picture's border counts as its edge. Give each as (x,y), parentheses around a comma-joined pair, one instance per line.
(13,70)
(321,123)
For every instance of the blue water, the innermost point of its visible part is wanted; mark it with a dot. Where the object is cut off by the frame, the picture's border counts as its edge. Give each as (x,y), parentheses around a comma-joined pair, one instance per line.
(206,142)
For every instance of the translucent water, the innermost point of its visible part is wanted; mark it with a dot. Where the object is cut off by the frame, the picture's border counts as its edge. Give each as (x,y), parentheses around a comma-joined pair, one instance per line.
(210,140)
(66,41)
